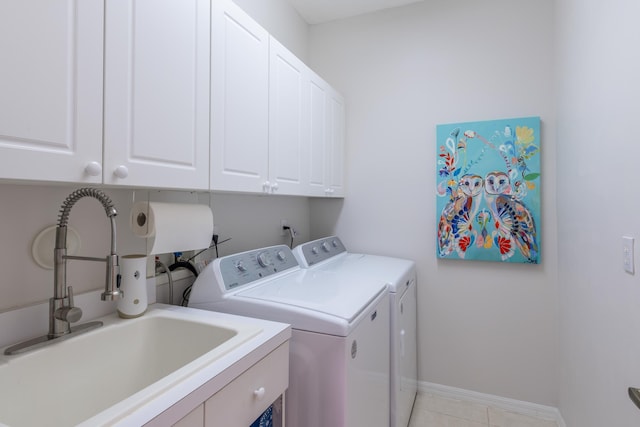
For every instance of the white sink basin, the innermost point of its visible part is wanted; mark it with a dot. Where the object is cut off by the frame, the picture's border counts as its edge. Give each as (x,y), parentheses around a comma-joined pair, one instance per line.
(101,376)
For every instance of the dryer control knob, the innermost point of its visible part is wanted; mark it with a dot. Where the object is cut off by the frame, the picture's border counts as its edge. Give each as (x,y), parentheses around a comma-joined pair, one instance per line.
(326,247)
(241,267)
(264,259)
(314,250)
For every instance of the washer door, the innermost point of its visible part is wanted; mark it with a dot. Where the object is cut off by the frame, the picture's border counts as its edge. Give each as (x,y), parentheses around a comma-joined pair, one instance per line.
(367,356)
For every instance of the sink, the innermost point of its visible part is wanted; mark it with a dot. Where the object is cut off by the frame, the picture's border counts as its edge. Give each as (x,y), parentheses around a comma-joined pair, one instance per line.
(101,376)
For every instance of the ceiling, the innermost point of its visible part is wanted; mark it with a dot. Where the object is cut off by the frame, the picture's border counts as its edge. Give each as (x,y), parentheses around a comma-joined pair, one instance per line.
(319,11)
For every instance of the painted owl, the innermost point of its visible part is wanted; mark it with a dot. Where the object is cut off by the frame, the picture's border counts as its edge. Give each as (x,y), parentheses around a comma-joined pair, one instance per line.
(514,223)
(455,231)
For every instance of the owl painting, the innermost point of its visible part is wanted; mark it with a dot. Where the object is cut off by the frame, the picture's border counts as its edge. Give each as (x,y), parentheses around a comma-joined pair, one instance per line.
(455,229)
(514,223)
(488,190)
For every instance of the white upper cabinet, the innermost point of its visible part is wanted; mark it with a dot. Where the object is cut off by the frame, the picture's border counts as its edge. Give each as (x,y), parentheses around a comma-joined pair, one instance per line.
(317,107)
(184,94)
(157,93)
(276,127)
(288,121)
(325,136)
(51,90)
(239,101)
(335,145)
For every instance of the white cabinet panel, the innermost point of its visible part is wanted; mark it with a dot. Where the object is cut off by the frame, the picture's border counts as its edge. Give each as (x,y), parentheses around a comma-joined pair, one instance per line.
(51,89)
(157,93)
(240,402)
(239,99)
(335,145)
(195,418)
(287,121)
(325,138)
(318,103)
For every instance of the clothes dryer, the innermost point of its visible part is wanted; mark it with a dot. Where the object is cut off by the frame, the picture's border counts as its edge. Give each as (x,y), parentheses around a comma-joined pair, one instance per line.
(339,366)
(399,275)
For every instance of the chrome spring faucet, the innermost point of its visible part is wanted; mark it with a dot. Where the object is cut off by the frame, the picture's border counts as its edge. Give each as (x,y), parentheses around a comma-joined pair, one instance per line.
(62,311)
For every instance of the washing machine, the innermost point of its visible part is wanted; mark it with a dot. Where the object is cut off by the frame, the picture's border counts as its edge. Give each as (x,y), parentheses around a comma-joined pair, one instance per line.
(339,366)
(330,254)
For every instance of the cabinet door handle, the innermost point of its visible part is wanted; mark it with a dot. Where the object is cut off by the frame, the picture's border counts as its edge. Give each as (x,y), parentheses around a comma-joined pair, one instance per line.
(121,172)
(93,169)
(259,393)
(266,186)
(274,187)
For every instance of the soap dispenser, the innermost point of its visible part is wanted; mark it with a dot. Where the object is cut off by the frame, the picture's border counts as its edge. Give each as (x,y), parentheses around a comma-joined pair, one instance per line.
(133,285)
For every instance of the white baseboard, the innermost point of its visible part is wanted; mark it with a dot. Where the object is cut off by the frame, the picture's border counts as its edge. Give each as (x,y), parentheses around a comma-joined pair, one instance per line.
(511,405)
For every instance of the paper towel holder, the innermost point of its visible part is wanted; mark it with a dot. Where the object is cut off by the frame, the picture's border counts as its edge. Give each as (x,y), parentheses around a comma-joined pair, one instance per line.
(141,219)
(44,243)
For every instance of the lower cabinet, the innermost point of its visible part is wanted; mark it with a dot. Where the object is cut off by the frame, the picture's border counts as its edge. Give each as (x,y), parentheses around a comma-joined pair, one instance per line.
(250,394)
(195,418)
(245,398)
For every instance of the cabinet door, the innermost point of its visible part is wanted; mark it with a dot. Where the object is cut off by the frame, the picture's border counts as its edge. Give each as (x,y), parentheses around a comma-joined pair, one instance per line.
(243,400)
(194,418)
(51,89)
(335,145)
(157,93)
(288,120)
(318,105)
(239,100)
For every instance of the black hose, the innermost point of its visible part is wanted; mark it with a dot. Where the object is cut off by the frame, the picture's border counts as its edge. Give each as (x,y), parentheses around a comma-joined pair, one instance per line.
(184,264)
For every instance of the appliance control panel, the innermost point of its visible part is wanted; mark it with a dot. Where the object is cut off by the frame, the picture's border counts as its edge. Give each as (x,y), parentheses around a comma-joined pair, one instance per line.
(311,253)
(246,267)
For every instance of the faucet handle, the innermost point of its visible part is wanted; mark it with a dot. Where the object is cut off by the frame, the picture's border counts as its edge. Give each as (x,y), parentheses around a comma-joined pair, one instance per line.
(69,313)
(70,295)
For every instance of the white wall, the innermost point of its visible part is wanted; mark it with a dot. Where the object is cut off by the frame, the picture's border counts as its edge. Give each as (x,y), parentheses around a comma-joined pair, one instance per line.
(598,153)
(250,221)
(487,327)
(25,211)
(282,21)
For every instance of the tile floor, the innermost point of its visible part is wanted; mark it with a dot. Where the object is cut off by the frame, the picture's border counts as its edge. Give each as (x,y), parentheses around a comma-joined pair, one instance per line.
(435,411)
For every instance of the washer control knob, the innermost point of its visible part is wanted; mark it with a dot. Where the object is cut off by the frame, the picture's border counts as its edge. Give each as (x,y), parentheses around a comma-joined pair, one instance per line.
(326,247)
(334,243)
(241,267)
(281,255)
(314,250)
(264,259)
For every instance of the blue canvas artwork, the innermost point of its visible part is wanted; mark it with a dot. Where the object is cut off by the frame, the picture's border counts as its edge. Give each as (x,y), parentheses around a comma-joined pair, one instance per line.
(488,190)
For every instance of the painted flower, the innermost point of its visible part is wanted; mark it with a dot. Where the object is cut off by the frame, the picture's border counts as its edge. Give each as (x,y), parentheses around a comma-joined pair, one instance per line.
(524,135)
(464,243)
(488,243)
(503,244)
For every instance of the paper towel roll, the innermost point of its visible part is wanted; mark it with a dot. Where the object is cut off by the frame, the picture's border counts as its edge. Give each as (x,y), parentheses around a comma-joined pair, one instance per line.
(172,227)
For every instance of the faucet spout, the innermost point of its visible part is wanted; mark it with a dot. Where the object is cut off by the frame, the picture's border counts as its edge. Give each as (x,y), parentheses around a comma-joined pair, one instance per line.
(61,301)
(62,311)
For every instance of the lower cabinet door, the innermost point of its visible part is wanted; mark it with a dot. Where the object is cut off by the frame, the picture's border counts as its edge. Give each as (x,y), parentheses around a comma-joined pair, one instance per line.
(249,395)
